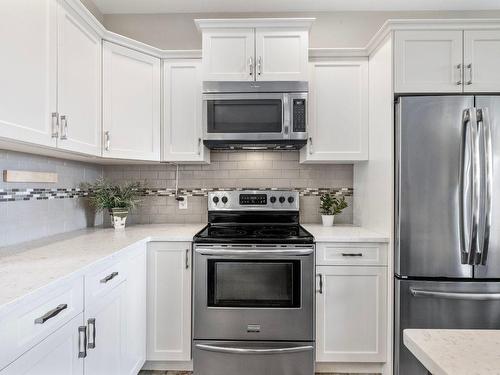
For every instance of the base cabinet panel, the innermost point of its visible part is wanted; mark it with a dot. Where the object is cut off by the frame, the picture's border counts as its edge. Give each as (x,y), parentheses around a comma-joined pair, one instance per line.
(169,301)
(351,314)
(56,355)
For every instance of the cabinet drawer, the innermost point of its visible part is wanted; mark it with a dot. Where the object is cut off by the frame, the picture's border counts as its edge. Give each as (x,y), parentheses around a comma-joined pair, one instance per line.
(38,316)
(351,254)
(104,277)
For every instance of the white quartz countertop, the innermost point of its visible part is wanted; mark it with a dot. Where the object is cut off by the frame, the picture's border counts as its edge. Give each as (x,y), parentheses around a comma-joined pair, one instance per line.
(343,233)
(32,265)
(29,266)
(455,352)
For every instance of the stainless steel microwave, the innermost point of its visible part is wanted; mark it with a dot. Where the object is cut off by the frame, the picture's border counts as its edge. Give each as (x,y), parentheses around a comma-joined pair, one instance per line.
(255,115)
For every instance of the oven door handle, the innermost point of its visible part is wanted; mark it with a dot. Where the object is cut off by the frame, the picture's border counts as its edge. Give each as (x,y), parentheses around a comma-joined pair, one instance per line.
(287,252)
(222,349)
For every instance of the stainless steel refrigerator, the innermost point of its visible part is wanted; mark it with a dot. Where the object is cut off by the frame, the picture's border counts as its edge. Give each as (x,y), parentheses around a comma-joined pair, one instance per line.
(447,219)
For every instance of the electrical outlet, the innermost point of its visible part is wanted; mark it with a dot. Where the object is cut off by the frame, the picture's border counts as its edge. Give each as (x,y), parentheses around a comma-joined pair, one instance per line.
(183,204)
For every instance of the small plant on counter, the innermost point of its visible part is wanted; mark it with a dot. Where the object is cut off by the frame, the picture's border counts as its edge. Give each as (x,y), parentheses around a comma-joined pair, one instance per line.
(331,205)
(116,199)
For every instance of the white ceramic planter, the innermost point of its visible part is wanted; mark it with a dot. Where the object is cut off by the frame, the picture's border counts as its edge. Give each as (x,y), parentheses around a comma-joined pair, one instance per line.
(327,220)
(118,217)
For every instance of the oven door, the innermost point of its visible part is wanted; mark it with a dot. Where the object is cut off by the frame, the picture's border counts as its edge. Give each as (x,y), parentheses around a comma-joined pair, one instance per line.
(254,293)
(246,116)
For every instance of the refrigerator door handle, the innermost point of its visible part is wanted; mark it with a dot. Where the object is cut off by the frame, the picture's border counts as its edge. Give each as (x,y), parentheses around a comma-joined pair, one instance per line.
(455,295)
(470,184)
(483,118)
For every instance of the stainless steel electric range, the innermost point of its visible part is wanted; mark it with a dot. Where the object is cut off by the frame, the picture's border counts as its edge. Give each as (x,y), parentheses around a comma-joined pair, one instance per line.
(253,300)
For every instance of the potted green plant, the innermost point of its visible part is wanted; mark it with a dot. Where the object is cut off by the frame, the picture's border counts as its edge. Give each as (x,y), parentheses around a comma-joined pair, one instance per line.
(331,205)
(116,199)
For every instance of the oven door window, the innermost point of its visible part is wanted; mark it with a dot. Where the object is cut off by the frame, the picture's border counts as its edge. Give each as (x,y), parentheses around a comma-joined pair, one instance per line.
(251,283)
(244,116)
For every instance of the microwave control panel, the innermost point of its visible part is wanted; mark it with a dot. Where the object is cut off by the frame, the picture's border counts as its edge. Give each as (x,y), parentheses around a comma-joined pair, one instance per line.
(299,115)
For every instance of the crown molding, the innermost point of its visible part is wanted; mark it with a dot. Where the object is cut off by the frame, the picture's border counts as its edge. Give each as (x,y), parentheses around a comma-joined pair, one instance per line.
(225,23)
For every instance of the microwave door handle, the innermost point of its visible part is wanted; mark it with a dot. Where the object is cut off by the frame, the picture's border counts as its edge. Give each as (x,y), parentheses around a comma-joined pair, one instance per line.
(483,117)
(234,350)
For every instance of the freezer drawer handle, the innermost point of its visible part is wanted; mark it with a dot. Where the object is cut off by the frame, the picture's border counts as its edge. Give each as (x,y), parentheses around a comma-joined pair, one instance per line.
(456,295)
(222,349)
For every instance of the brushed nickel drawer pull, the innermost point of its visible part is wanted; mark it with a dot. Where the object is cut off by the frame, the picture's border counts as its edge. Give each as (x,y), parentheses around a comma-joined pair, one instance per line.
(91,323)
(109,277)
(352,254)
(82,342)
(51,314)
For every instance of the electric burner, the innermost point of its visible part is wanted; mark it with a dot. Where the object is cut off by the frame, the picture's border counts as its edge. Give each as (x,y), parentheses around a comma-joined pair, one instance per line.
(253,216)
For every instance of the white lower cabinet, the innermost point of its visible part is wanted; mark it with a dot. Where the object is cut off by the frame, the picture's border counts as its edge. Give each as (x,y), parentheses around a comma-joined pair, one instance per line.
(134,337)
(169,301)
(351,309)
(56,355)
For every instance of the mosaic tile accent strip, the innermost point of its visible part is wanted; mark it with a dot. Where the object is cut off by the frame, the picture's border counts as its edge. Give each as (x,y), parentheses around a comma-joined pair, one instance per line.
(9,195)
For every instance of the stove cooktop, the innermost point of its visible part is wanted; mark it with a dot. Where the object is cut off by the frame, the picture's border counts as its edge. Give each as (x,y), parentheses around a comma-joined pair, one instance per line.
(254,233)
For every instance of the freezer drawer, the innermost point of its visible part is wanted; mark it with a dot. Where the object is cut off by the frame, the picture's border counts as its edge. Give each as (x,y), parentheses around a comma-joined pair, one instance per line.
(441,304)
(251,358)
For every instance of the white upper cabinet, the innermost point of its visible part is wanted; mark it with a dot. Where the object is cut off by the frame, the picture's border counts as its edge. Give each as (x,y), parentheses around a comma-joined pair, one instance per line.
(281,54)
(169,301)
(182,112)
(428,61)
(338,111)
(482,61)
(78,84)
(351,308)
(28,70)
(255,49)
(228,55)
(131,104)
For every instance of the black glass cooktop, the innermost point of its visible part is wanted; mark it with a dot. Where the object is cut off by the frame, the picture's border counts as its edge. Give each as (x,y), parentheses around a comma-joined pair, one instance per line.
(254,233)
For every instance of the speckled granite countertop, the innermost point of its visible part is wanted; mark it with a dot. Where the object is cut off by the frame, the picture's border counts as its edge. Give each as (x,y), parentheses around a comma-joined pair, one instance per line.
(455,352)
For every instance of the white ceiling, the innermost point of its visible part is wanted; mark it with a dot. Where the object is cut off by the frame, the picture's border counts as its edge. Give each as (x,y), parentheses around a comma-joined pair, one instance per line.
(195,6)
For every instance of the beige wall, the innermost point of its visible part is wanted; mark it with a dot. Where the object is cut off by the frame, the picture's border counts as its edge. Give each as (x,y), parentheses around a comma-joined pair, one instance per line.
(331,29)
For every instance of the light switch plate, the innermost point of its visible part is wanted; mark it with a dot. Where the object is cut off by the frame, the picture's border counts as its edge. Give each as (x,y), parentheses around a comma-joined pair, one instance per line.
(183,204)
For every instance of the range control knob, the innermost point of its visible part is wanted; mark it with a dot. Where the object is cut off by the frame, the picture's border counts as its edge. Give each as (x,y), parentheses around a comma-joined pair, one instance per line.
(282,199)
(224,200)
(215,200)
(290,200)
(272,199)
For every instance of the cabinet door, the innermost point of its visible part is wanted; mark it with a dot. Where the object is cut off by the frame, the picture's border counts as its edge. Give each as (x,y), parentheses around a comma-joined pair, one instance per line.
(28,70)
(131,104)
(428,61)
(134,312)
(169,301)
(105,333)
(351,310)
(482,61)
(338,111)
(58,354)
(78,84)
(228,55)
(182,112)
(281,54)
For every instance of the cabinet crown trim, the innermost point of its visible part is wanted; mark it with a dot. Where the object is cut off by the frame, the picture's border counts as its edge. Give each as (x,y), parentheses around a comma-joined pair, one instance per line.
(229,23)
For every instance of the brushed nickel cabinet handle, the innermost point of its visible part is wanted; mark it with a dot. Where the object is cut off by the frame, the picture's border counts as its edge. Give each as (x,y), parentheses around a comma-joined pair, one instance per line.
(460,72)
(259,66)
(91,324)
(250,65)
(310,145)
(107,141)
(469,69)
(187,258)
(320,291)
(352,254)
(82,342)
(108,278)
(55,125)
(52,313)
(199,146)
(64,127)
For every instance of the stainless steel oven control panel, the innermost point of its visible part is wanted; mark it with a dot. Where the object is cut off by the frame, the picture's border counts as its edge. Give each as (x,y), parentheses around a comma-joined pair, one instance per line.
(261,200)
